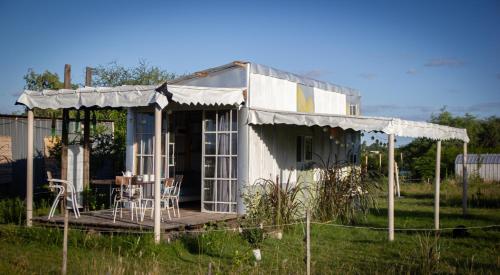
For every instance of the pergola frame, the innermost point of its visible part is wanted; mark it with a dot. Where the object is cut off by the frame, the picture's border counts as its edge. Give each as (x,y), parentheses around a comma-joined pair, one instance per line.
(88,98)
(392,127)
(29,170)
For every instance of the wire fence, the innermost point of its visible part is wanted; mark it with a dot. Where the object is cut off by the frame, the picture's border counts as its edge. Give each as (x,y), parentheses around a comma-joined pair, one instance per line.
(239,229)
(290,251)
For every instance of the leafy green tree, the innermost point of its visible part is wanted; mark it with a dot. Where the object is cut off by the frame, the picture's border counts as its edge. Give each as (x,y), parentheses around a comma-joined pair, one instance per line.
(111,74)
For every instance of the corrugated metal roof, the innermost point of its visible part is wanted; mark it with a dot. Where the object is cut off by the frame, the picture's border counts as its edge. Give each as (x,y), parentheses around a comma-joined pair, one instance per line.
(269,71)
(479,158)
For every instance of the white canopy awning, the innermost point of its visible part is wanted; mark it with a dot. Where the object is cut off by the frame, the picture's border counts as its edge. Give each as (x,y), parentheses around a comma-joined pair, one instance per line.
(114,97)
(130,96)
(398,127)
(193,95)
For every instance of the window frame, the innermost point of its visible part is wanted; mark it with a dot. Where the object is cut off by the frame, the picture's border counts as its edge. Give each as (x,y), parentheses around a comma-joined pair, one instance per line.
(302,154)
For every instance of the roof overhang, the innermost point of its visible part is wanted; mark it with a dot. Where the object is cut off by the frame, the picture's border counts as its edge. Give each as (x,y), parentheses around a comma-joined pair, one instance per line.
(130,96)
(398,127)
(207,96)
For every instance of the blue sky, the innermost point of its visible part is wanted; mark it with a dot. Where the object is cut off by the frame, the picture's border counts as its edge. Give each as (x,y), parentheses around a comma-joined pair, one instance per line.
(407,58)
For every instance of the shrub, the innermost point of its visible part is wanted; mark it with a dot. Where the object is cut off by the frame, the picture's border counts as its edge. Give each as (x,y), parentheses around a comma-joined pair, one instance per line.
(12,211)
(273,202)
(342,192)
(254,236)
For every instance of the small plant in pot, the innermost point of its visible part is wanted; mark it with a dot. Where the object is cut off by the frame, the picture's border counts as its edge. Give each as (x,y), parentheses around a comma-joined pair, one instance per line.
(254,236)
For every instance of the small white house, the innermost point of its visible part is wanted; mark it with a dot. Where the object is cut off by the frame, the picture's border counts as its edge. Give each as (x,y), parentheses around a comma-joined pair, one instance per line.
(216,148)
(225,127)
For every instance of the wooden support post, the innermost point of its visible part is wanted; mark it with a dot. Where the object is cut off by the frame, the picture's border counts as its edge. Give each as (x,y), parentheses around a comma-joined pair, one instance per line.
(465,181)
(29,170)
(366,163)
(86,139)
(308,241)
(157,170)
(64,168)
(437,185)
(390,193)
(396,175)
(380,162)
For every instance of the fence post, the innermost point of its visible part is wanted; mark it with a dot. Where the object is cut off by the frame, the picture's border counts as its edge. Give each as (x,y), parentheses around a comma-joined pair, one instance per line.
(465,179)
(437,175)
(64,169)
(390,195)
(29,170)
(308,241)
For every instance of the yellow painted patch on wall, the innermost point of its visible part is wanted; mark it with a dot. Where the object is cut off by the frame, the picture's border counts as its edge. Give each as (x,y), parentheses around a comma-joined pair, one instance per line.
(305,99)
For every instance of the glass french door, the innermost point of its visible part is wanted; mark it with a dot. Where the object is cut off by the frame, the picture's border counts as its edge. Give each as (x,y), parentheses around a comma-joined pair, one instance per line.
(219,161)
(144,137)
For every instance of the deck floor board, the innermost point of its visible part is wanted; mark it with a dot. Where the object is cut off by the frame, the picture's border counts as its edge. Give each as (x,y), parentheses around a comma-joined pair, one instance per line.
(103,220)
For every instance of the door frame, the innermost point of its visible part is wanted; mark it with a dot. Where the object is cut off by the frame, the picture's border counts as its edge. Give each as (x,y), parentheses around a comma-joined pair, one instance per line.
(232,132)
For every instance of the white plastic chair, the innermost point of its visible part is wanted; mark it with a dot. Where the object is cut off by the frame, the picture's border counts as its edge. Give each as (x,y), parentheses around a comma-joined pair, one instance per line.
(173,197)
(71,195)
(133,196)
(166,192)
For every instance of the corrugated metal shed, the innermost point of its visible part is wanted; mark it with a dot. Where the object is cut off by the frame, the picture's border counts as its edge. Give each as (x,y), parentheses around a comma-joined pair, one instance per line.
(486,166)
(15,126)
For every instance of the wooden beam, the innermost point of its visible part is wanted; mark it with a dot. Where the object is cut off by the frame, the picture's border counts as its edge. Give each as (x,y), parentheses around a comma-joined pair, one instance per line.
(465,181)
(64,168)
(380,162)
(366,163)
(390,192)
(396,176)
(201,74)
(437,176)
(86,138)
(29,170)
(157,171)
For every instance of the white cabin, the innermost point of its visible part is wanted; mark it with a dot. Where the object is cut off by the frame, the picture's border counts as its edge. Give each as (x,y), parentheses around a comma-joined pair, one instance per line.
(219,152)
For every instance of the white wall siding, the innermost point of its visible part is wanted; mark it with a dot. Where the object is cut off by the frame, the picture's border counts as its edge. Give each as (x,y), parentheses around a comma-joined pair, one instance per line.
(272,93)
(129,143)
(272,149)
(327,102)
(278,94)
(235,77)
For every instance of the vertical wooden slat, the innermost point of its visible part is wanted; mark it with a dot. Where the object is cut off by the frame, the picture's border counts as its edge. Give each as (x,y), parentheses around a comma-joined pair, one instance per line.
(157,172)
(29,170)
(437,184)
(86,138)
(64,168)
(465,179)
(390,193)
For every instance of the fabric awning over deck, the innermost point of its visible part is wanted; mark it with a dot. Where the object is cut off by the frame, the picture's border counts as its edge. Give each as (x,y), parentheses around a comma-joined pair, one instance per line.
(192,95)
(114,97)
(130,96)
(398,127)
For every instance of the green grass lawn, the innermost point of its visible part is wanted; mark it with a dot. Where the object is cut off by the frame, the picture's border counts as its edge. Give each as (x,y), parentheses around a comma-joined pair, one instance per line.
(334,249)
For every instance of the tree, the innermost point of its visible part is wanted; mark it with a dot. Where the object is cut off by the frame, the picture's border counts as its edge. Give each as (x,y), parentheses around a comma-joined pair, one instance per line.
(111,74)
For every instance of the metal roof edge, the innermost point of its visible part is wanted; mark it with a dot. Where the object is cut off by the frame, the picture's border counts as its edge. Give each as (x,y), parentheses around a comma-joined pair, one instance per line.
(296,77)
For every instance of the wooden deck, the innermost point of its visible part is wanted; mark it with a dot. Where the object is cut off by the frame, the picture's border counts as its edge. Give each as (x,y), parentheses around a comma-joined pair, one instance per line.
(102,220)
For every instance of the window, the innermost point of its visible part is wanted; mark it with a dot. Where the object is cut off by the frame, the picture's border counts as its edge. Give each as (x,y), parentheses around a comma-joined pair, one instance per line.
(304,148)
(353,109)
(144,137)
